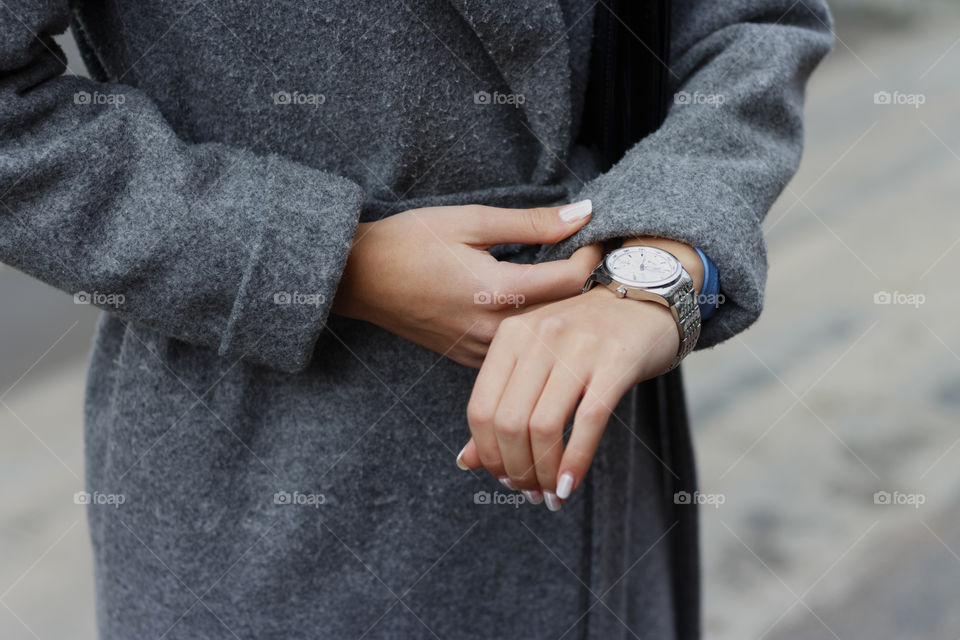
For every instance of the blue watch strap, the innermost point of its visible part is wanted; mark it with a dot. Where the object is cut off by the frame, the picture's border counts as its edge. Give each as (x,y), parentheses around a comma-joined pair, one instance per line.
(710,292)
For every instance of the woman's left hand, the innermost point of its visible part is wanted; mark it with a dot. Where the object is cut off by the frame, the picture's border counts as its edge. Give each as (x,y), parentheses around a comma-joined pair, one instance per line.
(594,346)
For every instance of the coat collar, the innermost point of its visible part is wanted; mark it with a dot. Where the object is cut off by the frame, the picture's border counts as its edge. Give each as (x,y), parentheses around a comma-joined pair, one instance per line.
(527,41)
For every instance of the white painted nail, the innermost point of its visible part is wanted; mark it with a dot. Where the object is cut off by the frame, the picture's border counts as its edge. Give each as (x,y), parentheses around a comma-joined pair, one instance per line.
(505,481)
(575,211)
(553,503)
(565,485)
(460,463)
(533,497)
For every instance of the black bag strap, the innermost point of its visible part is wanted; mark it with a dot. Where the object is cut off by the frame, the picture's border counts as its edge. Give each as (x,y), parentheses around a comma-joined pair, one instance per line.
(627,90)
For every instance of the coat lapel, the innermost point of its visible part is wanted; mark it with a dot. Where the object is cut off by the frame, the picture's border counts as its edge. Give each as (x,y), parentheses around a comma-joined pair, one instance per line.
(527,41)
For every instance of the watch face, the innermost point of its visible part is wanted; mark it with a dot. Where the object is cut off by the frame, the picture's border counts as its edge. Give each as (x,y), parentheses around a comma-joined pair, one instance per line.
(643,266)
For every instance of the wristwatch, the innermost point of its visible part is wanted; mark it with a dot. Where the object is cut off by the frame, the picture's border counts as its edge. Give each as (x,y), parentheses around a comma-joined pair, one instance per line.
(649,273)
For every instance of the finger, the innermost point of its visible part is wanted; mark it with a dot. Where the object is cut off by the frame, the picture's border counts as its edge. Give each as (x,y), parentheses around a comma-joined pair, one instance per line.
(484,399)
(602,394)
(469,457)
(543,225)
(554,408)
(551,281)
(513,416)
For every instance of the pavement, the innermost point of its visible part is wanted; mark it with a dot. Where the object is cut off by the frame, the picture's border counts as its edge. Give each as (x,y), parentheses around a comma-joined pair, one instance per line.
(832,397)
(829,430)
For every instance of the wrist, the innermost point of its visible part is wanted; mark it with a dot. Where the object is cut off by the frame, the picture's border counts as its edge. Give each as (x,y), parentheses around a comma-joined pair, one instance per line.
(666,272)
(348,300)
(687,255)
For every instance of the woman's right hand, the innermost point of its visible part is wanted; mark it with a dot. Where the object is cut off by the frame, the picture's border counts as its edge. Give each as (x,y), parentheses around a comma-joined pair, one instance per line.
(427,275)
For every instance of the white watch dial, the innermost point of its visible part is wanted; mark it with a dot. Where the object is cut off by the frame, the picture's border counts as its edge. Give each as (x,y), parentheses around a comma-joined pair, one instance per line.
(643,266)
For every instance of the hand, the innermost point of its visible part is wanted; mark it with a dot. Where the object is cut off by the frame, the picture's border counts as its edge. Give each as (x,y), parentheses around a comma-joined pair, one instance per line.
(427,275)
(595,346)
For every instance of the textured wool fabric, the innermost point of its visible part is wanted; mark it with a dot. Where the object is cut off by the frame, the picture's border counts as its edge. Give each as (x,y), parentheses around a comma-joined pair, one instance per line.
(290,474)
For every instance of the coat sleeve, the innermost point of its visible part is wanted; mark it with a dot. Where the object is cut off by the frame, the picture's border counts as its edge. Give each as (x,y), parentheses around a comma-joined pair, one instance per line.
(731,141)
(98,197)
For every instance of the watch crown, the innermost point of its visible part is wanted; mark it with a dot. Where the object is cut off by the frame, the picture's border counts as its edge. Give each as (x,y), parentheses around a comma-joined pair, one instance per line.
(622,290)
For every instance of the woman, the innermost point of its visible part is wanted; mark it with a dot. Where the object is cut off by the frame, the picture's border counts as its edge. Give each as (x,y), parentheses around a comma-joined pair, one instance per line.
(280,209)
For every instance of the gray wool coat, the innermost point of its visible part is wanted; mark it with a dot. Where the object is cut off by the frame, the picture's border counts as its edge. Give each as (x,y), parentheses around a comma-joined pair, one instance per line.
(290,474)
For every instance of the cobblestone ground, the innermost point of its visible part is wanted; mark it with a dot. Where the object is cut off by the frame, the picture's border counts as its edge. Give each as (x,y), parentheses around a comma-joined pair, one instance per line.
(832,397)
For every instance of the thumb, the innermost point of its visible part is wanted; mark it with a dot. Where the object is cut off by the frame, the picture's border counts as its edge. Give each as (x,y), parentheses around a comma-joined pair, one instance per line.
(543,225)
(469,457)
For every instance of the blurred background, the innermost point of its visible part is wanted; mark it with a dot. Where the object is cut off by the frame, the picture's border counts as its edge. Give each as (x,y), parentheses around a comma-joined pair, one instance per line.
(827,435)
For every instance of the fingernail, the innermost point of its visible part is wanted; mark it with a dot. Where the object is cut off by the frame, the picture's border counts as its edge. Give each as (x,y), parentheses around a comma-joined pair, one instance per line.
(565,485)
(553,503)
(533,497)
(505,481)
(460,462)
(575,211)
